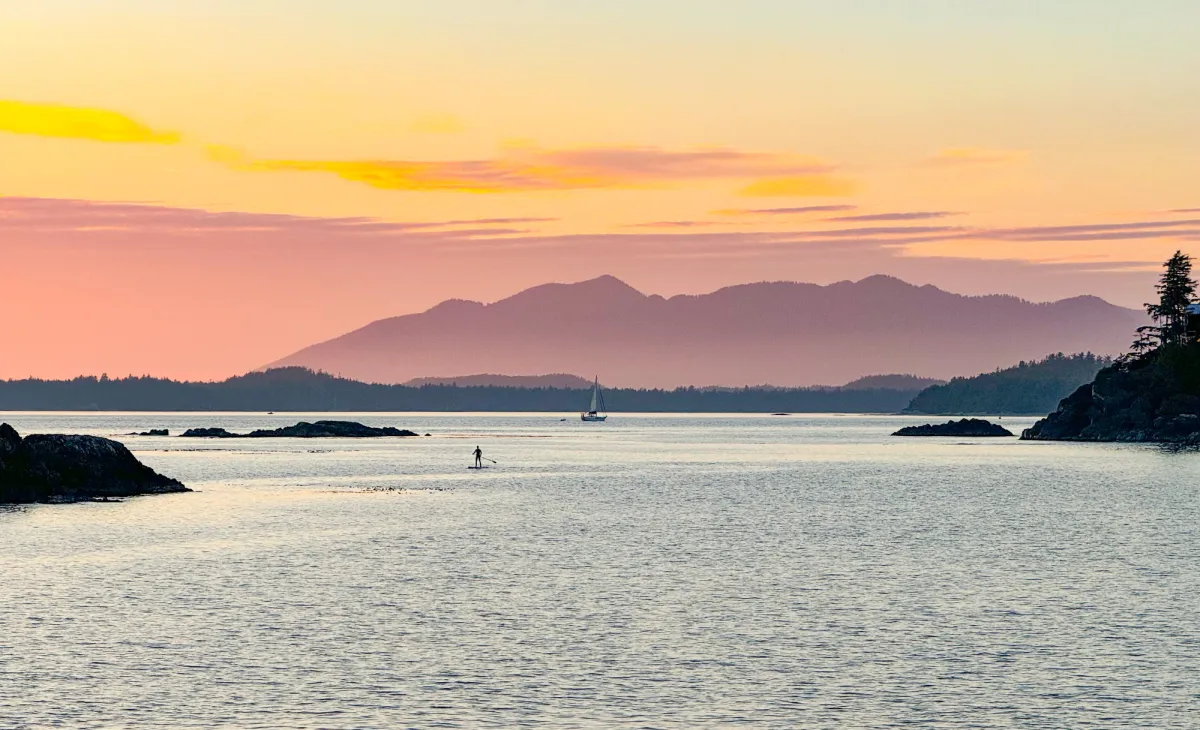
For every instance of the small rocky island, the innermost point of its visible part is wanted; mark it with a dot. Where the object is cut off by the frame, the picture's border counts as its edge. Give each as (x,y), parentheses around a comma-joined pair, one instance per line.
(58,468)
(305,430)
(973,427)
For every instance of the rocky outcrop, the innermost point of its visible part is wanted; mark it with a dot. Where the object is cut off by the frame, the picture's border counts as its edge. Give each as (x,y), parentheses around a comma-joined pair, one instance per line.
(152,432)
(209,433)
(1155,398)
(973,427)
(58,468)
(329,429)
(320,429)
(10,442)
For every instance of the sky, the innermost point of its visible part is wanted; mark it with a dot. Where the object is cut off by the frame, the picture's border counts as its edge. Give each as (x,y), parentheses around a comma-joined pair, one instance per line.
(196,188)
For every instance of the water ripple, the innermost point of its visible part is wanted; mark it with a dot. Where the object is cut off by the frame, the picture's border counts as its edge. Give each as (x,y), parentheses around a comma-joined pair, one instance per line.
(650,573)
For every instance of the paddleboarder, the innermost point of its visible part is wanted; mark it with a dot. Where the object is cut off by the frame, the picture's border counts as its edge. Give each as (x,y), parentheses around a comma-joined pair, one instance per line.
(478,452)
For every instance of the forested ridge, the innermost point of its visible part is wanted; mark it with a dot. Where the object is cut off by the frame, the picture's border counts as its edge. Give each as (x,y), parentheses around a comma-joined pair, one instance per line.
(1032,388)
(299,389)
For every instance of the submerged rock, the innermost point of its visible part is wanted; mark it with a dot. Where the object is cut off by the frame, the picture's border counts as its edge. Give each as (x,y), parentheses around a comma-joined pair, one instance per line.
(320,429)
(973,427)
(59,468)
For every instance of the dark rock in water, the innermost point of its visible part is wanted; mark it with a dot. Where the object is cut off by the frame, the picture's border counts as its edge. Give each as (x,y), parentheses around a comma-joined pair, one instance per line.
(9,439)
(1068,421)
(209,433)
(58,468)
(973,427)
(153,432)
(329,429)
(10,442)
(1154,398)
(320,429)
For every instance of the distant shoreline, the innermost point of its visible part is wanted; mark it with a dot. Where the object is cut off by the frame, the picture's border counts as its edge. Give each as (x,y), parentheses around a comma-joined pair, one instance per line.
(569,417)
(430,412)
(303,391)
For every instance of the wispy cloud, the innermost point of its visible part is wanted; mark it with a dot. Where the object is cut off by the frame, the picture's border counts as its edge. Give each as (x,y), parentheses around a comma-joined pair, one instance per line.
(531,169)
(492,221)
(98,125)
(656,164)
(975,156)
(885,231)
(672,224)
(483,176)
(801,210)
(1184,210)
(97,223)
(103,223)
(819,185)
(54,215)
(919,215)
(1097,231)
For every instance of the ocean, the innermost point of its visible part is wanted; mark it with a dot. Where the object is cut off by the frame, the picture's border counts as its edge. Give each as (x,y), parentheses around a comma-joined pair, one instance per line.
(653,571)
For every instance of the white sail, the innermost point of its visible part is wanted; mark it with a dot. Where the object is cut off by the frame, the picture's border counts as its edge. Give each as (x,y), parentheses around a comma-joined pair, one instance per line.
(596,411)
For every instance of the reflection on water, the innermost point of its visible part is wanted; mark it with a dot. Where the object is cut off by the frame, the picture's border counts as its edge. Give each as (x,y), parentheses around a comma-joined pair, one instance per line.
(657,571)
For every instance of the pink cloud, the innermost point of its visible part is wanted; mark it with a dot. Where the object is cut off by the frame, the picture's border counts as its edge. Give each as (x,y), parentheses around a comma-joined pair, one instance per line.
(800,210)
(531,169)
(1096,231)
(673,224)
(911,216)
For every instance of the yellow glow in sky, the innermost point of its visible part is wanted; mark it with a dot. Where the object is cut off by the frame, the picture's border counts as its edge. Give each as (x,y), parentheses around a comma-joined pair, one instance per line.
(98,125)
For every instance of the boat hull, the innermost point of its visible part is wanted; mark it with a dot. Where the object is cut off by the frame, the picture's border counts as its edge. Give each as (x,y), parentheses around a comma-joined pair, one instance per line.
(592,418)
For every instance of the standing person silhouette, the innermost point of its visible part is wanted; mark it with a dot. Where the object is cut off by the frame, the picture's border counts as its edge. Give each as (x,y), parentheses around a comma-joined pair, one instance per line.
(478,452)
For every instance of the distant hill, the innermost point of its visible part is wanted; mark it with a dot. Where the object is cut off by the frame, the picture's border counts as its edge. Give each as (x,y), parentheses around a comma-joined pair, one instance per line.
(783,333)
(1032,388)
(555,380)
(892,382)
(298,389)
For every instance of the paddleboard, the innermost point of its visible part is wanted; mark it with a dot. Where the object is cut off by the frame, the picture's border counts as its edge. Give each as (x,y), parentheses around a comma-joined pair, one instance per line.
(478,467)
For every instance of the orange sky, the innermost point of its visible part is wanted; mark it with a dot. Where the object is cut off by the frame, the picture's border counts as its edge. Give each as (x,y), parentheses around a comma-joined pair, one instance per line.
(193,189)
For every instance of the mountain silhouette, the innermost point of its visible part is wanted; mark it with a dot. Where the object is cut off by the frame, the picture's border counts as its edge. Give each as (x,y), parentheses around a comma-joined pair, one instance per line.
(781,333)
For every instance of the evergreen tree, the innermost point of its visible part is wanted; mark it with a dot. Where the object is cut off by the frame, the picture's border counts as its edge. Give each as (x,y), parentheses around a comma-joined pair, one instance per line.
(1176,290)
(1147,340)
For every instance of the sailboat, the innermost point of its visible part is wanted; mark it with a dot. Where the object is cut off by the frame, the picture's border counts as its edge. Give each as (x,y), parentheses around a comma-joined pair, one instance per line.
(596,412)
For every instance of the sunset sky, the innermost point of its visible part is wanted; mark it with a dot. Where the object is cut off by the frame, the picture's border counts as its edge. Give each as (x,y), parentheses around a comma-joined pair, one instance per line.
(195,188)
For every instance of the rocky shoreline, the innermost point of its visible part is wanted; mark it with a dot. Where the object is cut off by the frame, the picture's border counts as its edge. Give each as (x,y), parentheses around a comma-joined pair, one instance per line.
(60,468)
(1151,399)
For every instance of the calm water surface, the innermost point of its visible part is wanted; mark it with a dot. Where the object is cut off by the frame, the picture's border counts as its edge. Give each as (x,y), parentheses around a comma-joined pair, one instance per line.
(651,572)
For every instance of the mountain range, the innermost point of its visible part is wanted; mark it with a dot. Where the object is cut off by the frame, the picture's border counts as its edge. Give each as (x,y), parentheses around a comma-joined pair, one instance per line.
(781,333)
